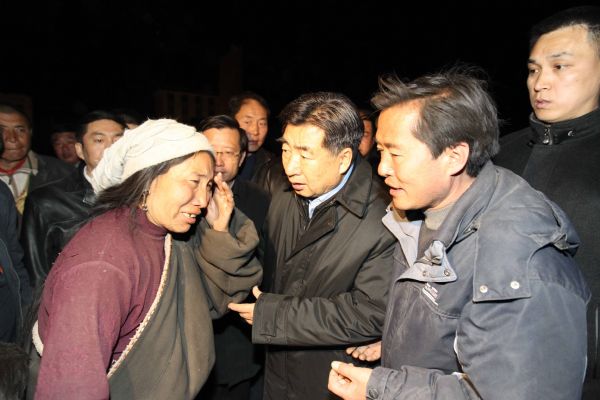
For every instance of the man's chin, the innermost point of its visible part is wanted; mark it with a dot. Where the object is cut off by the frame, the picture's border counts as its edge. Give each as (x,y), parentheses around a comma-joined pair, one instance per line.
(11,156)
(226,177)
(549,116)
(303,193)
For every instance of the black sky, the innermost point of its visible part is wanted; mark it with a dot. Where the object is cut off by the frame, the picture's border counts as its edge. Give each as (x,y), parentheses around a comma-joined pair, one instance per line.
(77,56)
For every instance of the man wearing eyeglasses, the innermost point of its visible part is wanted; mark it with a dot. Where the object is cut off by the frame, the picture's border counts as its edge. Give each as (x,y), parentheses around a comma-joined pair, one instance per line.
(237,363)
(231,147)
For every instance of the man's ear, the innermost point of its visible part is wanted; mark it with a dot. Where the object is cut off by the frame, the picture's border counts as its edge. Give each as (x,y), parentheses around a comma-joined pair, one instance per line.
(79,150)
(345,158)
(457,157)
(242,158)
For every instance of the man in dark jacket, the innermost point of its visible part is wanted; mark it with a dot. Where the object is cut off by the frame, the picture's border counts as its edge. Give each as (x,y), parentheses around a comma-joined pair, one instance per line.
(20,168)
(327,257)
(237,362)
(15,292)
(251,111)
(55,212)
(487,301)
(559,153)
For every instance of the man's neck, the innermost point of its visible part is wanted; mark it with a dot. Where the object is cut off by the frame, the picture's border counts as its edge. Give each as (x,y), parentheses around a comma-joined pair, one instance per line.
(7,165)
(566,120)
(459,185)
(314,202)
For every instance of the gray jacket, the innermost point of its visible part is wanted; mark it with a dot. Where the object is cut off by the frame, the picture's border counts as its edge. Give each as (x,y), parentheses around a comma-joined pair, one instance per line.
(496,308)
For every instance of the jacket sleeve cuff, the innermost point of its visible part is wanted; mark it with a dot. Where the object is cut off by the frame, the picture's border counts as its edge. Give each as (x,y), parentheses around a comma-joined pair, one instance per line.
(239,244)
(270,318)
(229,268)
(378,382)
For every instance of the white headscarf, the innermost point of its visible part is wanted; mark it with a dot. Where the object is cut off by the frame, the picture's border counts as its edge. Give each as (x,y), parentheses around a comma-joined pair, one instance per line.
(151,143)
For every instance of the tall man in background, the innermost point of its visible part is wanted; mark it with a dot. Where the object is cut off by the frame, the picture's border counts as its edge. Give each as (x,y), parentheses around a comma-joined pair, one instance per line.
(238,362)
(63,139)
(559,153)
(251,111)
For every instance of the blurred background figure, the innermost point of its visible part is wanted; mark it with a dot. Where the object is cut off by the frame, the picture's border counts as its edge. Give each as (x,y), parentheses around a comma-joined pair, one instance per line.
(238,362)
(131,118)
(13,371)
(366,147)
(15,296)
(54,212)
(15,292)
(20,168)
(251,111)
(63,139)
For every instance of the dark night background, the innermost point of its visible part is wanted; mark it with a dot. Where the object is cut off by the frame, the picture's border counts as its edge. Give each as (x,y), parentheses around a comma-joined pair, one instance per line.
(72,57)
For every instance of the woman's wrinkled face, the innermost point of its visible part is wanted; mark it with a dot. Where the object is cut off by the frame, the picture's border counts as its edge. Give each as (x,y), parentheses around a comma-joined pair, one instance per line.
(177,197)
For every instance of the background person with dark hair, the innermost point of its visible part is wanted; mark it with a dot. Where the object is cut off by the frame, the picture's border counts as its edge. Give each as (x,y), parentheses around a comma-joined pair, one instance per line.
(252,112)
(559,153)
(131,118)
(15,290)
(54,213)
(63,139)
(238,362)
(20,168)
(366,147)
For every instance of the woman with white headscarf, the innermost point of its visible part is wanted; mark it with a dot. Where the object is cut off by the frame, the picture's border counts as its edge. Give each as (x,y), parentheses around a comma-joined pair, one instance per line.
(126,308)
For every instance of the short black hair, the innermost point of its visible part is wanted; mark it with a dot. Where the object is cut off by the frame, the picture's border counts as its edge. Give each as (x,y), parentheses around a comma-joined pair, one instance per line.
(128,116)
(95,116)
(588,16)
(236,102)
(454,107)
(367,114)
(6,108)
(60,127)
(334,113)
(225,121)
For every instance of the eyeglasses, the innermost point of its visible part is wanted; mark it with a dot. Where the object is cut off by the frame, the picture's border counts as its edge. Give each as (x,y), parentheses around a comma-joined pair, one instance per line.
(227,154)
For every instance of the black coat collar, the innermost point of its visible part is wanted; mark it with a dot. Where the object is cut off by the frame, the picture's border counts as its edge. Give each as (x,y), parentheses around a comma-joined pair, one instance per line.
(549,134)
